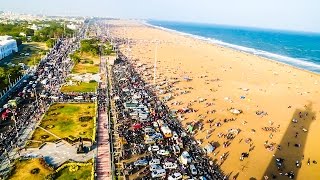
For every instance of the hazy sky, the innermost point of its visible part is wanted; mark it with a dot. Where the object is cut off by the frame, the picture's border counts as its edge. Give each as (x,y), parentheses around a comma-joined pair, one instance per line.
(302,15)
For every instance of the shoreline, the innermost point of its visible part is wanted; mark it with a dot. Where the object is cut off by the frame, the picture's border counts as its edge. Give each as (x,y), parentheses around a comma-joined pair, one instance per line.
(210,41)
(224,78)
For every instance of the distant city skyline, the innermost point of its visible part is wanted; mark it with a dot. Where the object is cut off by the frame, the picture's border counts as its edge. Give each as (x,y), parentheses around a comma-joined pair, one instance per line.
(292,15)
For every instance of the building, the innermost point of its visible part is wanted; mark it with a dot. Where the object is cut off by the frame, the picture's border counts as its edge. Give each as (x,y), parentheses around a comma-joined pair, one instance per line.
(7,46)
(72,26)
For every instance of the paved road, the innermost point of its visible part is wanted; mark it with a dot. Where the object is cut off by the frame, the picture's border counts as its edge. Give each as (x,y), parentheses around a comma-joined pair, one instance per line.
(57,154)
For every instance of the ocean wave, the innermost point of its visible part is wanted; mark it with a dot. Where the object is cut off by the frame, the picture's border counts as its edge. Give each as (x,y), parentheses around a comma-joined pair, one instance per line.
(299,63)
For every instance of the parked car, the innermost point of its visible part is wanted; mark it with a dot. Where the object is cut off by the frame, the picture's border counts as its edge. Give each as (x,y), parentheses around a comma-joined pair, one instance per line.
(141,162)
(158,173)
(163,152)
(155,167)
(193,169)
(185,157)
(154,148)
(154,161)
(170,165)
(175,176)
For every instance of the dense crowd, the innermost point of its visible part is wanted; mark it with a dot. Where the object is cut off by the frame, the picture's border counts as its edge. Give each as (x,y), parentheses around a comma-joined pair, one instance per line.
(34,95)
(148,128)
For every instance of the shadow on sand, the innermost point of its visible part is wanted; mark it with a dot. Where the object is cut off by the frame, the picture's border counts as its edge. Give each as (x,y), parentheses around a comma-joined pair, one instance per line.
(292,146)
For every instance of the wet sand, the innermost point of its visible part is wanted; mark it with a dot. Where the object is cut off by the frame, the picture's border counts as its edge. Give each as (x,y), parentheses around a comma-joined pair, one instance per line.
(220,76)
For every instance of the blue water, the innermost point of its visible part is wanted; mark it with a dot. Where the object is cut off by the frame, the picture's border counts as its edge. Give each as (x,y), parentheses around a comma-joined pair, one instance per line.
(299,49)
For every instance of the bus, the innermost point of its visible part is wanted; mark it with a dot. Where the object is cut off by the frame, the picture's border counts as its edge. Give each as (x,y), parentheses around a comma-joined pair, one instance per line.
(166,131)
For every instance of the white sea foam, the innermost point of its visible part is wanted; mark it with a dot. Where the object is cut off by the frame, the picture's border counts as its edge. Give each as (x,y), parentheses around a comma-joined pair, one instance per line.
(303,64)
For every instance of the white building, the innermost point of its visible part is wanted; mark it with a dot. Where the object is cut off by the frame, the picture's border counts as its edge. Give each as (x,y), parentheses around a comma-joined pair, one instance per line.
(72,26)
(7,46)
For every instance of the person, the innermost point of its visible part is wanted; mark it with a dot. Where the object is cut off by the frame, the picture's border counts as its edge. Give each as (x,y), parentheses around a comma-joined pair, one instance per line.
(308,161)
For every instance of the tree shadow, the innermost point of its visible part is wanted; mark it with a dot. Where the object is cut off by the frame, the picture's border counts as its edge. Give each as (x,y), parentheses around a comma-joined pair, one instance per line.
(292,145)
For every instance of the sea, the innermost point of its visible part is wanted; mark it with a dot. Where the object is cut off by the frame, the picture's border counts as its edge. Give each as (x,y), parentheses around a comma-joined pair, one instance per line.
(298,49)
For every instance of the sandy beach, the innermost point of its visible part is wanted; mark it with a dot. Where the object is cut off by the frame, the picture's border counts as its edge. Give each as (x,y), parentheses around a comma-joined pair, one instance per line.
(211,80)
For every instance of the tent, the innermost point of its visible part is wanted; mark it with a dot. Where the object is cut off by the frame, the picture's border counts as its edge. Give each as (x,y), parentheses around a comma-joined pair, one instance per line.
(209,148)
(235,111)
(190,128)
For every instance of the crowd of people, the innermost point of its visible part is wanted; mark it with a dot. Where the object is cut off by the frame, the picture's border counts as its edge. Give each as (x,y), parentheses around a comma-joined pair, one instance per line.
(148,128)
(34,95)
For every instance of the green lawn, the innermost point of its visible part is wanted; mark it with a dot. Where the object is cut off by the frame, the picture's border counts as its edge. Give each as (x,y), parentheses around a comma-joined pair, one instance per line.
(87,64)
(63,120)
(23,169)
(83,173)
(82,68)
(81,87)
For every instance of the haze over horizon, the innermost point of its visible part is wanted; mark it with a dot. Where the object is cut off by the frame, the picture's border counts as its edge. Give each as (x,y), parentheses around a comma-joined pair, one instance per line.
(291,15)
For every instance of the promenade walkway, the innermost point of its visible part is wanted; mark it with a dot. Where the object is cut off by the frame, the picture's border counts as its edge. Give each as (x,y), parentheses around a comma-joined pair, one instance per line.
(103,168)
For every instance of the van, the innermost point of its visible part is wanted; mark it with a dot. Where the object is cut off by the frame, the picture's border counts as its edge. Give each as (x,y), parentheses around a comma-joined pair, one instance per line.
(166,131)
(158,173)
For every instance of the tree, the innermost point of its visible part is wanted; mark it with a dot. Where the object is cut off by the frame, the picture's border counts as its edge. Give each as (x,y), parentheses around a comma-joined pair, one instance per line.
(50,43)
(36,38)
(2,72)
(29,32)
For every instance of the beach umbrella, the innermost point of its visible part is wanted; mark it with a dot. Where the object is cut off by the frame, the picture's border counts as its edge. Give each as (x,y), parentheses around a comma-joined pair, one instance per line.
(190,128)
(235,111)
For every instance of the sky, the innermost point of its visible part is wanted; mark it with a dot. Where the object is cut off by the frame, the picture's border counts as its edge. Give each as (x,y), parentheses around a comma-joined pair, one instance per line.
(297,15)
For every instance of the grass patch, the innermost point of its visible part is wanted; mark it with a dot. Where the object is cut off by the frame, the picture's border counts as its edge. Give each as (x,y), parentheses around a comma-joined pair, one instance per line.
(82,68)
(83,172)
(23,168)
(87,64)
(81,87)
(63,120)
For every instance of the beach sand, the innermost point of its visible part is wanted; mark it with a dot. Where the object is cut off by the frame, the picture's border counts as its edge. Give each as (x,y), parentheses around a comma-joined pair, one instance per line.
(221,76)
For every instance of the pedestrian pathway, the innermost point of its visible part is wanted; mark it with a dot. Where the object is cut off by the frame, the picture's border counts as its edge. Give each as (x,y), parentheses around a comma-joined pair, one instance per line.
(103,153)
(57,154)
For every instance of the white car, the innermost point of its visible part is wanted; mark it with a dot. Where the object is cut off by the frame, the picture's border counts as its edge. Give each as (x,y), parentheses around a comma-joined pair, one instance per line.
(154,161)
(155,167)
(170,165)
(175,176)
(193,169)
(155,124)
(149,130)
(202,178)
(154,148)
(141,162)
(158,173)
(149,140)
(163,152)
(185,158)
